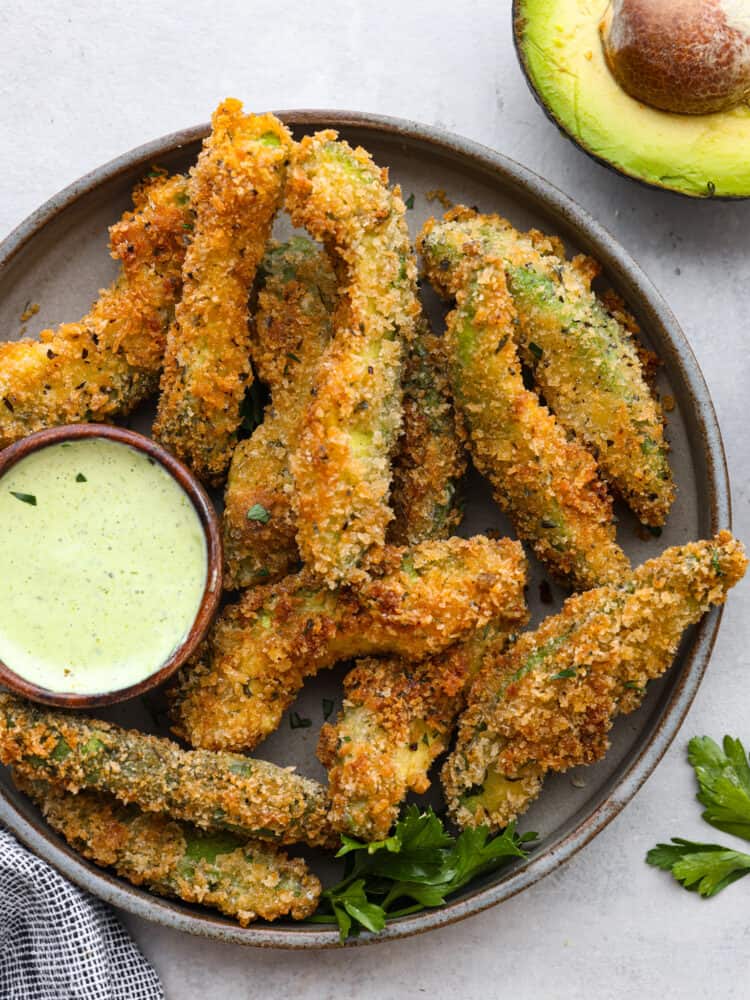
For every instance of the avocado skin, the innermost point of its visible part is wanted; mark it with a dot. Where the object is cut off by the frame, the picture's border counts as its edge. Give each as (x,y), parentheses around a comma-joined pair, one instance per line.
(518,27)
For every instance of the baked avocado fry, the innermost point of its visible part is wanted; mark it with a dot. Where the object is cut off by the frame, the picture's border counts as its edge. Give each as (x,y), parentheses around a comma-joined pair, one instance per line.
(341,464)
(431,456)
(549,702)
(236,188)
(546,484)
(398,715)
(297,294)
(289,332)
(397,718)
(252,798)
(290,329)
(583,358)
(261,649)
(244,879)
(103,366)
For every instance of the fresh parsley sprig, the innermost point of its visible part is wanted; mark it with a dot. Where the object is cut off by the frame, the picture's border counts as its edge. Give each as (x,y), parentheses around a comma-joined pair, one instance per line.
(723,777)
(415,868)
(724,783)
(702,868)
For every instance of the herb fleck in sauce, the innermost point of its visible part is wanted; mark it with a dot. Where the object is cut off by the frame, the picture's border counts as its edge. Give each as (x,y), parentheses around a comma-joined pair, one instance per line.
(101,579)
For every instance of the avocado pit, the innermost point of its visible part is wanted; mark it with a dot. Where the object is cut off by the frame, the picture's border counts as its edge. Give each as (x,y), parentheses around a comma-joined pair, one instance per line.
(691,148)
(685,56)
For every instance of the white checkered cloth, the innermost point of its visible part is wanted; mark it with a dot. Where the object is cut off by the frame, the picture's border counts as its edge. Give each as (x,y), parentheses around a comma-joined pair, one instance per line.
(59,943)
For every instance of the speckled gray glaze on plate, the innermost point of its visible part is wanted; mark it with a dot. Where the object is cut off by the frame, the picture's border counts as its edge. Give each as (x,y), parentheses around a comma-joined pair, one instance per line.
(58,259)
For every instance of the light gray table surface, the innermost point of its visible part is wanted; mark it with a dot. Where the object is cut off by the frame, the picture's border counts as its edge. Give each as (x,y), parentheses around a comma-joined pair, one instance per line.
(84,81)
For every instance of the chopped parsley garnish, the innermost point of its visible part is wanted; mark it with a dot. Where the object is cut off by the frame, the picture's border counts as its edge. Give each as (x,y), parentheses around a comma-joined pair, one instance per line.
(415,868)
(563,674)
(258,513)
(328,706)
(297,721)
(723,775)
(292,357)
(410,201)
(28,498)
(80,478)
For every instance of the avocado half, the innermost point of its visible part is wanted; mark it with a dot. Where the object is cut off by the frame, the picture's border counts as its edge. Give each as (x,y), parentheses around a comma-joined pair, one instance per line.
(560,49)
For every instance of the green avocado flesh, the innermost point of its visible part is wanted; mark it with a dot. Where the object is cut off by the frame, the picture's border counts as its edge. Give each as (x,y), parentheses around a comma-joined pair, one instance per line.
(697,155)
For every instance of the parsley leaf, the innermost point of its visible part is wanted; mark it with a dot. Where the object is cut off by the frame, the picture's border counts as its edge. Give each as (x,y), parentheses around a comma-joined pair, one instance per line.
(702,868)
(258,513)
(418,866)
(563,674)
(297,721)
(80,478)
(723,775)
(724,783)
(28,498)
(410,201)
(359,908)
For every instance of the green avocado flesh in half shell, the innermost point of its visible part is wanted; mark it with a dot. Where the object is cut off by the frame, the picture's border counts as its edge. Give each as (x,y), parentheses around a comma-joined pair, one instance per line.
(561,51)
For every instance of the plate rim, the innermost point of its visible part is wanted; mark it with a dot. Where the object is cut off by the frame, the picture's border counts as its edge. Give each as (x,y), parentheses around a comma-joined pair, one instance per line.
(590,235)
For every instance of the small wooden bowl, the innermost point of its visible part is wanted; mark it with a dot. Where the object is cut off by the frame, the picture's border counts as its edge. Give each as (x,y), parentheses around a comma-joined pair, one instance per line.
(214,575)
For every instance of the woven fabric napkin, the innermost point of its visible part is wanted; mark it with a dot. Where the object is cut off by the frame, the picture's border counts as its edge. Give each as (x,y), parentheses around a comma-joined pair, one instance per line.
(59,943)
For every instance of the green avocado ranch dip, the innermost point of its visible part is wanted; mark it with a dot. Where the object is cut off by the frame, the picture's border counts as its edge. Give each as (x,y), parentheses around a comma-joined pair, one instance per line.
(103,564)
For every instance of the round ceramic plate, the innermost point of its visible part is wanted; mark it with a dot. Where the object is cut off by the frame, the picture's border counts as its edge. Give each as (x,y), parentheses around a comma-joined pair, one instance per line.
(58,259)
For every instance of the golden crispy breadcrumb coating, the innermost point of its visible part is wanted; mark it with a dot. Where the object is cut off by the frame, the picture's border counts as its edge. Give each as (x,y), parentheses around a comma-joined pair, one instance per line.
(580,350)
(261,649)
(291,327)
(398,715)
(244,879)
(397,718)
(549,702)
(235,188)
(290,330)
(214,791)
(548,485)
(341,464)
(102,367)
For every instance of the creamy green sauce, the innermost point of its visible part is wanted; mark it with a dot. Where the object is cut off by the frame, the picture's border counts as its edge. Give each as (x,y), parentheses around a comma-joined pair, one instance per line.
(103,564)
